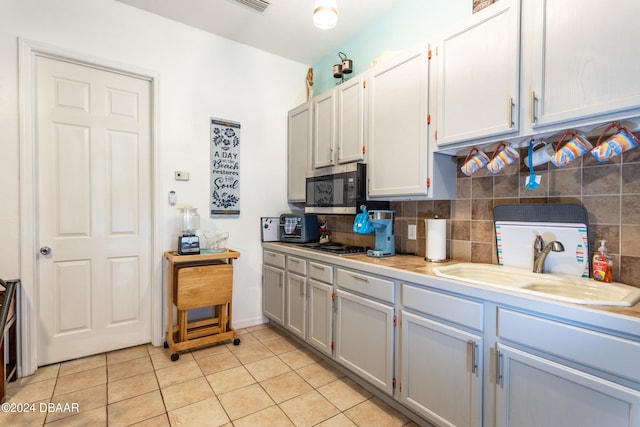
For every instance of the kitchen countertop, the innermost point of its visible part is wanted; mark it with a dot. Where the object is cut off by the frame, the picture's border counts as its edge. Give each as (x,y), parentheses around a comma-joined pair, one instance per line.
(412,268)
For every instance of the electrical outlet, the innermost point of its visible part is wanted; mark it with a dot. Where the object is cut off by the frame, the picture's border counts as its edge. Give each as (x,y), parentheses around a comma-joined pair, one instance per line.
(182,176)
(411,232)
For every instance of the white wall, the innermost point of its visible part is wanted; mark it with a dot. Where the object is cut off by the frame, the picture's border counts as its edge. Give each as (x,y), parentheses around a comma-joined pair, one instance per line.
(200,76)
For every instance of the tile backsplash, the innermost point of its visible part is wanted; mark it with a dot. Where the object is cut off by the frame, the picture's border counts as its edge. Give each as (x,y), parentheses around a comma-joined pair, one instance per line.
(610,192)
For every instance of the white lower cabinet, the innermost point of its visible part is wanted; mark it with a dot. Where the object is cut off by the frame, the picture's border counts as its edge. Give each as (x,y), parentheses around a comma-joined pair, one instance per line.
(552,373)
(319,312)
(442,364)
(296,316)
(441,371)
(533,391)
(273,293)
(296,296)
(320,307)
(364,338)
(365,326)
(460,360)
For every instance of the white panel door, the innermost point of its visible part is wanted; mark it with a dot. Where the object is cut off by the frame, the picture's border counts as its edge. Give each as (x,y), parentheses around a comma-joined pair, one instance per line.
(365,337)
(441,371)
(533,391)
(300,135)
(351,120)
(397,126)
(324,129)
(94,210)
(582,68)
(478,76)
(319,316)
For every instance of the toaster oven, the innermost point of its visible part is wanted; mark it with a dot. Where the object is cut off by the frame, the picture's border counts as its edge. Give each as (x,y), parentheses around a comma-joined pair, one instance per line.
(298,227)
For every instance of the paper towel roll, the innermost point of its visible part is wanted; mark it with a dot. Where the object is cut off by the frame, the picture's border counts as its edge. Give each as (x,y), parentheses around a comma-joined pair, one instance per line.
(436,230)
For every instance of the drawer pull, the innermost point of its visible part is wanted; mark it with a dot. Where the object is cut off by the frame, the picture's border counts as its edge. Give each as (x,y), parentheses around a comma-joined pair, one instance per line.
(297,261)
(319,267)
(360,278)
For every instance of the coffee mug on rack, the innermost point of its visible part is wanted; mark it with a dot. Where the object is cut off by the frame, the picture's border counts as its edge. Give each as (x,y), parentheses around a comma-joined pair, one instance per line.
(542,153)
(503,156)
(616,144)
(475,161)
(575,147)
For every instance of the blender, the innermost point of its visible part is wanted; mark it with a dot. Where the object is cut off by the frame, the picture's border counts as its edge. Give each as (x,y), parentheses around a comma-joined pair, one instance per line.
(382,222)
(189,242)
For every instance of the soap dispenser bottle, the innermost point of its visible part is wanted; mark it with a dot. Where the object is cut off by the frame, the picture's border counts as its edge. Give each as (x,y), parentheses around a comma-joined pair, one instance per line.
(602,264)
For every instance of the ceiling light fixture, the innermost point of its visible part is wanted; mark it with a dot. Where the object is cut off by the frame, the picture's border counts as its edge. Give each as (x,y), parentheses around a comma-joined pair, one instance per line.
(325,14)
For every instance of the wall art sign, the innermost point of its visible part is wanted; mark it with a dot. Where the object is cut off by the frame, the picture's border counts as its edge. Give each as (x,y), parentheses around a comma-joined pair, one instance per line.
(225,167)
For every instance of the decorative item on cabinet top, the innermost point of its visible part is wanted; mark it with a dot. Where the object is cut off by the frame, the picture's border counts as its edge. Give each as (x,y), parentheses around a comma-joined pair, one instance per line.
(343,69)
(481,4)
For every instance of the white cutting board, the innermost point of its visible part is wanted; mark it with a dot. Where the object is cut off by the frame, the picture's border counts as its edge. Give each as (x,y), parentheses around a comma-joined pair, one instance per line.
(515,246)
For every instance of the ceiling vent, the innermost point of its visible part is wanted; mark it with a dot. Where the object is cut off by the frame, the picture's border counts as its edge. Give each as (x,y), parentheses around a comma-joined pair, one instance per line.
(259,5)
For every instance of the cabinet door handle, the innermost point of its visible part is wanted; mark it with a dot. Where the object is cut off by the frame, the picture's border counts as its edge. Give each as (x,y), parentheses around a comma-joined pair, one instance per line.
(472,348)
(510,112)
(499,376)
(532,107)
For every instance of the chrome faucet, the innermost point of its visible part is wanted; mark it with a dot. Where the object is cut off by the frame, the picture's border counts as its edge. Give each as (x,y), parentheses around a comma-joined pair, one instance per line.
(540,252)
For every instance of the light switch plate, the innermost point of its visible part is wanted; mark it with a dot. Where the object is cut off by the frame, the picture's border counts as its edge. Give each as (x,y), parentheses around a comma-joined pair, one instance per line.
(411,232)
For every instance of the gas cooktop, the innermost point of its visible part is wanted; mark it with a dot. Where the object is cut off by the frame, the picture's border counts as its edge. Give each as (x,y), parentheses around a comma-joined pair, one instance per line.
(336,248)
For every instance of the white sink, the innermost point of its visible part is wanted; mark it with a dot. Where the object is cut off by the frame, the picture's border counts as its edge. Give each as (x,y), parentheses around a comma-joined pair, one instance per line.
(559,287)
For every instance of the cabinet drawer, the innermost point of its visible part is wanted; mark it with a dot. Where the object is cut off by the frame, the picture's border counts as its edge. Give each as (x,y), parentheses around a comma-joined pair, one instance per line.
(296,265)
(604,352)
(448,307)
(273,258)
(203,286)
(321,272)
(367,285)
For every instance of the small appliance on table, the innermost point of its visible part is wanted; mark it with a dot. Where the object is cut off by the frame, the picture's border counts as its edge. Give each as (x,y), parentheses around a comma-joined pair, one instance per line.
(195,281)
(189,242)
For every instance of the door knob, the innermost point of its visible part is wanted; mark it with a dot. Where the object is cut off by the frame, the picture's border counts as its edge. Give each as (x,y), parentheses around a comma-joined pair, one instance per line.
(45,250)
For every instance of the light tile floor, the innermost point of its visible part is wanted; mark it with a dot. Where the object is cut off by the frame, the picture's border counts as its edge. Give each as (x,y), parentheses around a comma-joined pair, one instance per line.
(268,380)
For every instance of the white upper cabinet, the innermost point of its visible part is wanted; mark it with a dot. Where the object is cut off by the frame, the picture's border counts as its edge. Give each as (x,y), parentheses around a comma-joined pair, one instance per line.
(299,151)
(476,90)
(351,120)
(324,129)
(339,124)
(397,125)
(583,61)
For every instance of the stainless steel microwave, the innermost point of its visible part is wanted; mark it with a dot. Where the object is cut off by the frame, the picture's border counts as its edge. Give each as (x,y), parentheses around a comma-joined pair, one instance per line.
(339,190)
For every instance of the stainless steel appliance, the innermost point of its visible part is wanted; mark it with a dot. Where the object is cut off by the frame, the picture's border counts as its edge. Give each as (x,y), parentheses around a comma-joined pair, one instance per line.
(298,227)
(339,190)
(336,248)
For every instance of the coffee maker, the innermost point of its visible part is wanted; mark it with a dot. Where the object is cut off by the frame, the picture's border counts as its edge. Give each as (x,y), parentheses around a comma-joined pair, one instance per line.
(382,222)
(189,242)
